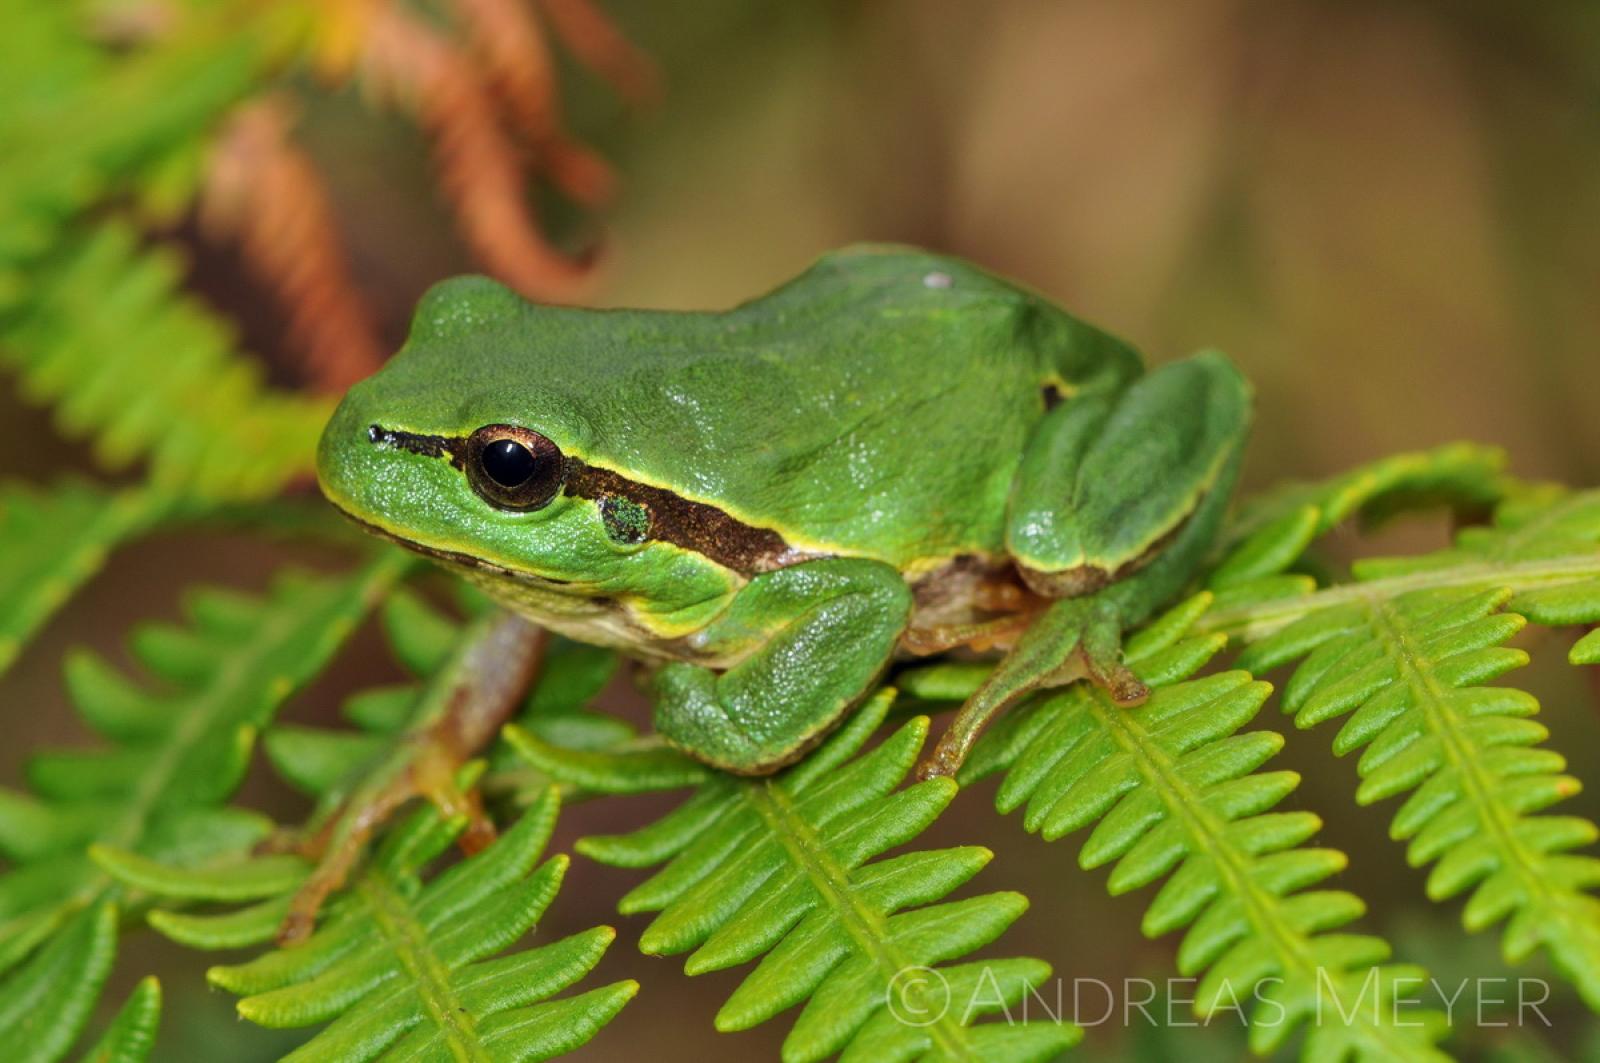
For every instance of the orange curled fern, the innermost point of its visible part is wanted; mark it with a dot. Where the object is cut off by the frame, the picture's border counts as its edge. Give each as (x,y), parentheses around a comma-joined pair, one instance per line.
(414,65)
(520,70)
(598,45)
(481,82)
(264,191)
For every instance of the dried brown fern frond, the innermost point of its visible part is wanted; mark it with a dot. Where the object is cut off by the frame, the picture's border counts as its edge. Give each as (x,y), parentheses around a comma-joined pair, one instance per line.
(597,43)
(509,40)
(265,192)
(409,62)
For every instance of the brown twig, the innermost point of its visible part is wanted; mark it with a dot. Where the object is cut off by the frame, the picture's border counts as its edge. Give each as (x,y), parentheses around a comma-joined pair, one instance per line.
(490,678)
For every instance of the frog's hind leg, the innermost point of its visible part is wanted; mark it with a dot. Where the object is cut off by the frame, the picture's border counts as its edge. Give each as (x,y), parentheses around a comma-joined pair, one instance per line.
(1108,482)
(1073,639)
(1116,502)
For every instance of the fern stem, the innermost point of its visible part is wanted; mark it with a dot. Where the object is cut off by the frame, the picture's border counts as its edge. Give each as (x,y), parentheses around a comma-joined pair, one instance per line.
(408,941)
(1187,804)
(867,928)
(1254,621)
(1477,785)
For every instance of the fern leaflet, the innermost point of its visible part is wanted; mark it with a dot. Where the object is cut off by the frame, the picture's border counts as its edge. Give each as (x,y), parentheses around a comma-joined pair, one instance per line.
(1174,792)
(1543,546)
(132,1033)
(777,869)
(177,752)
(45,1003)
(329,764)
(399,969)
(53,541)
(176,393)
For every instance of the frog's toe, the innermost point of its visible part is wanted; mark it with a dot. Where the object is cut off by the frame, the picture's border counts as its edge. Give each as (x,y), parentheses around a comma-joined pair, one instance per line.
(1117,680)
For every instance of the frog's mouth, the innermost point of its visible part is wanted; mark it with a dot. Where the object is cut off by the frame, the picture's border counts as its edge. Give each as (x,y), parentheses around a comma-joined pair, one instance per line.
(459,559)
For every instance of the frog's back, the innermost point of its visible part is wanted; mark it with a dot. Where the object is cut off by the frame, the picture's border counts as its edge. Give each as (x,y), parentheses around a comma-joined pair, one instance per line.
(877,405)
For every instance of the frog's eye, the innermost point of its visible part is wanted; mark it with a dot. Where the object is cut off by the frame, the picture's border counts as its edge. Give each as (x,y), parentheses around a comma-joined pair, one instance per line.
(512,467)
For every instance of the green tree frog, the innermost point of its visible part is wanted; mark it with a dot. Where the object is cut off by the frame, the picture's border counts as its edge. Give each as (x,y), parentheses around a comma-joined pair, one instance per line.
(894,454)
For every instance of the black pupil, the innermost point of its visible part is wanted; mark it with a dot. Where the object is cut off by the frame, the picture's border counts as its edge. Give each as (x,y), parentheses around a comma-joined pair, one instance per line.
(508,463)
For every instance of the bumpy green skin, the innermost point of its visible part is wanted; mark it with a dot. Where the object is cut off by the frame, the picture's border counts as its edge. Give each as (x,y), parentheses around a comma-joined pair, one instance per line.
(884,413)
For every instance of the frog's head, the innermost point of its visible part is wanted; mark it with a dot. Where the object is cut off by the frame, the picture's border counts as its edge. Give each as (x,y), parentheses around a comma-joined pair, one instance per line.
(460,450)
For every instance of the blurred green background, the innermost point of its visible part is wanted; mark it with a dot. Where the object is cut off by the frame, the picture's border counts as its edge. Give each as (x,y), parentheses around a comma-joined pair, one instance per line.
(1387,213)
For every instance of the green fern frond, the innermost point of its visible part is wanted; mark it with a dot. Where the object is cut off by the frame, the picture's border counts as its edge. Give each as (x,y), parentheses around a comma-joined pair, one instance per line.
(179,747)
(1408,672)
(46,1003)
(1272,530)
(51,542)
(351,773)
(1466,754)
(132,1033)
(85,117)
(1543,546)
(1174,792)
(399,969)
(1404,651)
(177,393)
(778,870)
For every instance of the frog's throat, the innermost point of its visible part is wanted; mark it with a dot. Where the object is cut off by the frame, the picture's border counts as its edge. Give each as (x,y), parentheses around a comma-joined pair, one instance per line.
(700,527)
(567,608)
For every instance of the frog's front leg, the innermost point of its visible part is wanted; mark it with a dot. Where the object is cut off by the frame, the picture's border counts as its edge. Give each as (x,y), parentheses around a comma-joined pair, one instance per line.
(1115,504)
(815,636)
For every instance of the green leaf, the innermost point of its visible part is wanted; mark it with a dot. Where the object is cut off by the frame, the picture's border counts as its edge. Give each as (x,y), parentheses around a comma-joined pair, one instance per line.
(403,969)
(52,542)
(782,870)
(1176,794)
(176,394)
(46,1003)
(181,743)
(132,1034)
